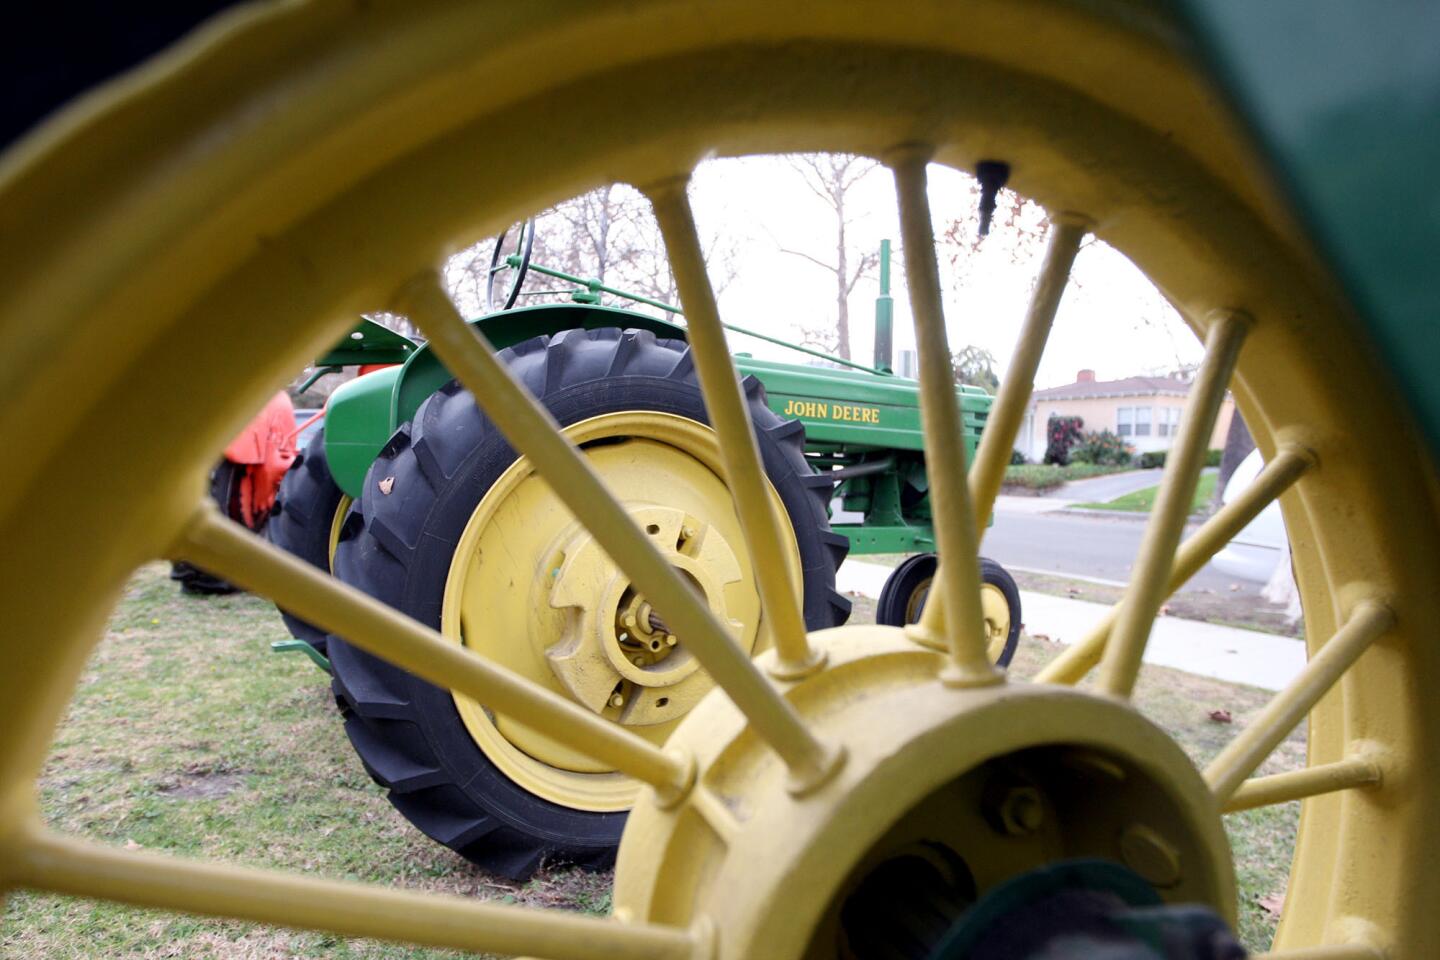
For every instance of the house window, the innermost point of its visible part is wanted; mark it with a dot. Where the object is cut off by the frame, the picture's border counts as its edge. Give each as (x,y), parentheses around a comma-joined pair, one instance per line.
(1125,421)
(1168,421)
(1142,421)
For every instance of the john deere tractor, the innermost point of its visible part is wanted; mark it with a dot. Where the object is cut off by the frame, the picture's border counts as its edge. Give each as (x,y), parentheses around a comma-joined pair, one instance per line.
(412,494)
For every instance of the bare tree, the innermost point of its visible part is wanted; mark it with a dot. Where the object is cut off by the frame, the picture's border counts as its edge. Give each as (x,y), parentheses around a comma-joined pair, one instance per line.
(610,235)
(831,177)
(1019,224)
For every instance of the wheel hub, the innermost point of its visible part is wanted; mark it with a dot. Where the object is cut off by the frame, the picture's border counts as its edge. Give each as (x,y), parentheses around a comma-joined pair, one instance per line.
(971,788)
(616,655)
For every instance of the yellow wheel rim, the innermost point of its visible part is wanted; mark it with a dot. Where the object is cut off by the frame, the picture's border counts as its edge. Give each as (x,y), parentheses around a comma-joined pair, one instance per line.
(290,166)
(997,619)
(992,603)
(560,621)
(336,522)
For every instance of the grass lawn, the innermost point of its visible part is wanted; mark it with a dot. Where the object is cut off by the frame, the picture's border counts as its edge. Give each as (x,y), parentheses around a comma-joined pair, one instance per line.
(1142,500)
(188,736)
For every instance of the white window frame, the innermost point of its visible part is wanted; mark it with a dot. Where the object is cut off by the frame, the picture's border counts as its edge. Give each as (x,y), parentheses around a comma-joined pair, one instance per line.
(1142,421)
(1124,421)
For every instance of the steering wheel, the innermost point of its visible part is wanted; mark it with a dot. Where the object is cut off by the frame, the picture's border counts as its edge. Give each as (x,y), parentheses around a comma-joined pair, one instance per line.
(524,245)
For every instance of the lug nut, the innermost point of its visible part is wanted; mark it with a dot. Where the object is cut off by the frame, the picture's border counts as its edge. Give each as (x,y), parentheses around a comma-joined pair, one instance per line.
(1149,854)
(671,640)
(1019,812)
(639,661)
(618,700)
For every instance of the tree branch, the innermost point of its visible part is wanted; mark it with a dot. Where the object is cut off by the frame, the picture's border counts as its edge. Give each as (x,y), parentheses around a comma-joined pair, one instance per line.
(818,263)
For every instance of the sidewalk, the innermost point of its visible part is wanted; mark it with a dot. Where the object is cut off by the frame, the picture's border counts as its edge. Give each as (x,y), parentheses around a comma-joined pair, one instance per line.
(1225,653)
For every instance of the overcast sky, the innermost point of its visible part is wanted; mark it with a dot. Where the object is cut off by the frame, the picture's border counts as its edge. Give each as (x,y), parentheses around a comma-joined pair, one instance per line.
(1112,319)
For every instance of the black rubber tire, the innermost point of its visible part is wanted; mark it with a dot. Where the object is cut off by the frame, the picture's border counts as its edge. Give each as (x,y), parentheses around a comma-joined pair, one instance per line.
(301,522)
(398,548)
(225,482)
(894,602)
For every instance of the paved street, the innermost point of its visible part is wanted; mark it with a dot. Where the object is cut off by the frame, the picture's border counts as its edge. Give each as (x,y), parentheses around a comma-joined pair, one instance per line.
(1083,546)
(1101,489)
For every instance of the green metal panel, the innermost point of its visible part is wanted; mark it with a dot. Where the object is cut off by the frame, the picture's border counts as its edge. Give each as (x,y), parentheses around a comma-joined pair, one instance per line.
(904,538)
(369,342)
(856,410)
(1344,97)
(357,424)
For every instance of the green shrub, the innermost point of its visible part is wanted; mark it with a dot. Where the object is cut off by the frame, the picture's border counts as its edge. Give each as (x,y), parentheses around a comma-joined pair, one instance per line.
(1102,447)
(1212,458)
(1017,458)
(1151,459)
(1061,433)
(1039,477)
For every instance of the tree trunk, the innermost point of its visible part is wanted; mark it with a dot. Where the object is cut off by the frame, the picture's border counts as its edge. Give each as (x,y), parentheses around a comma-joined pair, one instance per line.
(842,292)
(1238,444)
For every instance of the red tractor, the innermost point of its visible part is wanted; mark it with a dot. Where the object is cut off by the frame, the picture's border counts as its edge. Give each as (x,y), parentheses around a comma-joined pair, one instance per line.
(246,479)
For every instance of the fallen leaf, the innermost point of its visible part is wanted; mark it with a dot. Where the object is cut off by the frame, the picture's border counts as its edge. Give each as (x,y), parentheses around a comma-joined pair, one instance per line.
(131,845)
(1221,716)
(1042,637)
(1164,609)
(1272,903)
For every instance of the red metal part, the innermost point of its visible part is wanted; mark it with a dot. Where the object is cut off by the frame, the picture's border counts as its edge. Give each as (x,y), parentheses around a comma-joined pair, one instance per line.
(266,448)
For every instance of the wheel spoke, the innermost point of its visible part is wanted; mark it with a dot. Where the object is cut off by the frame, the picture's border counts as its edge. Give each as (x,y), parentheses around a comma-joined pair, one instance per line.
(48,861)
(1288,465)
(997,441)
(957,579)
(534,433)
(222,546)
(1348,774)
(724,400)
(1249,749)
(1156,558)
(1333,951)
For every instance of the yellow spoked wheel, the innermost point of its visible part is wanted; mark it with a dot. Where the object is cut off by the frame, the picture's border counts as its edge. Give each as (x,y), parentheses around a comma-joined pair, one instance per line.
(293,165)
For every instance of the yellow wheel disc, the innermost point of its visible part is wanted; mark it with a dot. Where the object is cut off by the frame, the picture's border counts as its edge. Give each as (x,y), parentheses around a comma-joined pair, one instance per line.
(531,590)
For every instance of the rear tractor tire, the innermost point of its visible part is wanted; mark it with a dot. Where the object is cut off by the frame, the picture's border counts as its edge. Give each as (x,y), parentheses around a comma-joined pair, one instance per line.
(905,592)
(307,521)
(457,532)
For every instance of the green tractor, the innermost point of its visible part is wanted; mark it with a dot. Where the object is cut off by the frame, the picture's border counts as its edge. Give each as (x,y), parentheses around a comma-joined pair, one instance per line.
(411,494)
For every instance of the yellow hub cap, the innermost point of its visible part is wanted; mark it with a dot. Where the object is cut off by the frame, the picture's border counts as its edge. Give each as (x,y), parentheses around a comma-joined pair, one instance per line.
(988,783)
(532,590)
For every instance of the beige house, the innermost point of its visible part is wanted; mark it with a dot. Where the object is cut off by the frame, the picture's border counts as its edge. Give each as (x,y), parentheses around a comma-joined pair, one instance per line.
(1144,411)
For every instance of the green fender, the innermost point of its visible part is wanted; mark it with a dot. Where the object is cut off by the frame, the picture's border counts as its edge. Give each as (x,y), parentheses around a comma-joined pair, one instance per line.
(363,413)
